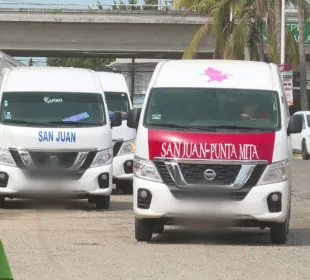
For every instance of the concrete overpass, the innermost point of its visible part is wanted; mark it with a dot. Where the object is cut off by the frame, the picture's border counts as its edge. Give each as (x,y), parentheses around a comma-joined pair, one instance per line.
(141,34)
(92,32)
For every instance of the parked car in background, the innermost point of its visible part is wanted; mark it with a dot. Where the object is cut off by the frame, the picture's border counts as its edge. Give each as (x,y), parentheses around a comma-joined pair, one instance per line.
(123,138)
(301,141)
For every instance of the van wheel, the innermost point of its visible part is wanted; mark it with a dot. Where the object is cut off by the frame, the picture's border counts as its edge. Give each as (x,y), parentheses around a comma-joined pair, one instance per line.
(304,151)
(279,232)
(125,186)
(143,229)
(2,202)
(91,199)
(158,228)
(103,202)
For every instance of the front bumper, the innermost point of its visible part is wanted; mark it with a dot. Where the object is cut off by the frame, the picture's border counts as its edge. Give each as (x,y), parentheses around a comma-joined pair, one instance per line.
(19,184)
(119,172)
(252,207)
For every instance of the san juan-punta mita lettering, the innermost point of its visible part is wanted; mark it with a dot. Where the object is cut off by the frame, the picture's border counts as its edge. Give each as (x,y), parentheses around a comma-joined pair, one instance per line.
(209,150)
(61,136)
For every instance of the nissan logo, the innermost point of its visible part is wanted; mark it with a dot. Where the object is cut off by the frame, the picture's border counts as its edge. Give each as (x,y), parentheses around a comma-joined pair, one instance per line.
(209,174)
(53,160)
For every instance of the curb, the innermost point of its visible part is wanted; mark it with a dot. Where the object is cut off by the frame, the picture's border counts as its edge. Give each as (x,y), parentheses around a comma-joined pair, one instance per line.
(5,271)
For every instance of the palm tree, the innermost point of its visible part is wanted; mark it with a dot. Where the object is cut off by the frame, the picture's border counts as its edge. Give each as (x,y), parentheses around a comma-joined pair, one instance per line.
(244,30)
(302,54)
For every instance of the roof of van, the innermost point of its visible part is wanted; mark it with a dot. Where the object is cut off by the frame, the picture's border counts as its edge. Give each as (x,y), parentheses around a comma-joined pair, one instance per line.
(51,79)
(113,82)
(214,74)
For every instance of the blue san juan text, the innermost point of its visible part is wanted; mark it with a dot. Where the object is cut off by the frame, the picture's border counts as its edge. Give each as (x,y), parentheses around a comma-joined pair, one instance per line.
(60,136)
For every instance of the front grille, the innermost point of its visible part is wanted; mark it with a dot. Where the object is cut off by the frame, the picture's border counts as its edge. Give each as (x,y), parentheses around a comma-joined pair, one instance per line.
(42,159)
(116,147)
(66,158)
(225,174)
(17,158)
(210,192)
(163,171)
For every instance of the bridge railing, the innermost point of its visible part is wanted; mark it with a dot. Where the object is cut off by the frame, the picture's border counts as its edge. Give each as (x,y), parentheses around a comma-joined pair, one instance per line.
(79,6)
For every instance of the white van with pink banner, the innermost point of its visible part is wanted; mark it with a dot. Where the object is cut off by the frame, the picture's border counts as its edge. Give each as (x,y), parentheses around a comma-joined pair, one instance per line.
(213,145)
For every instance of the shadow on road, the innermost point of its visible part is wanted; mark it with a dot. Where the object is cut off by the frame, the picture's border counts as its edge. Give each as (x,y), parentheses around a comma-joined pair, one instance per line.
(74,205)
(233,237)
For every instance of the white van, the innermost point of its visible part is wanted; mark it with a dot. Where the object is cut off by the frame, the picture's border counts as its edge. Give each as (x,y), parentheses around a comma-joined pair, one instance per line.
(301,141)
(55,135)
(212,142)
(123,138)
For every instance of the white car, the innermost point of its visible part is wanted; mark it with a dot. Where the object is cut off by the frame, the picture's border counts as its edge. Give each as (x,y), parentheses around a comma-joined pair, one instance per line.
(301,141)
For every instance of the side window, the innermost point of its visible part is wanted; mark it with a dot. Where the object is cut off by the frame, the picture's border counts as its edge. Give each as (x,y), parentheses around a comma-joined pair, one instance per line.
(308,120)
(303,121)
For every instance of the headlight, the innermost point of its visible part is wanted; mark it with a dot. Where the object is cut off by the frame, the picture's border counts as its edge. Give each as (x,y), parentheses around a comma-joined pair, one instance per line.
(275,173)
(6,158)
(145,169)
(128,147)
(103,158)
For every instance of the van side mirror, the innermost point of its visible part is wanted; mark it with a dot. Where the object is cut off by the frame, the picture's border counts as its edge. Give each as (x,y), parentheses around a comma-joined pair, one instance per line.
(295,125)
(133,118)
(116,119)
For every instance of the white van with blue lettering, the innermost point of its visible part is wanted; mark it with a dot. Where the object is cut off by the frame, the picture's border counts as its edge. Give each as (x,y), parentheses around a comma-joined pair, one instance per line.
(123,138)
(55,135)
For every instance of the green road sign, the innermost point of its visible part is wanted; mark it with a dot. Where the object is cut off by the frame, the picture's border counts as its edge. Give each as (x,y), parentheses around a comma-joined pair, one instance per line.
(293,26)
(5,271)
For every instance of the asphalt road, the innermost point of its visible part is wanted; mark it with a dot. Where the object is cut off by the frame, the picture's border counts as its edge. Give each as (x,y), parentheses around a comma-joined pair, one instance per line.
(79,242)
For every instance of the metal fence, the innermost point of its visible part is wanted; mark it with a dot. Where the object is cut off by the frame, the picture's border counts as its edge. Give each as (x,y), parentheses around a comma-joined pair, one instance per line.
(79,6)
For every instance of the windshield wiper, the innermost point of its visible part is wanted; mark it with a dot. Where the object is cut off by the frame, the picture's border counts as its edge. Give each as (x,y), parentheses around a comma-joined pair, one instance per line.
(239,127)
(25,123)
(74,123)
(202,128)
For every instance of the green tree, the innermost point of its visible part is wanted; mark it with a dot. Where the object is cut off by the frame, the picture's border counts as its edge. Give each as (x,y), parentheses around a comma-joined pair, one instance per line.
(119,6)
(237,26)
(148,5)
(96,64)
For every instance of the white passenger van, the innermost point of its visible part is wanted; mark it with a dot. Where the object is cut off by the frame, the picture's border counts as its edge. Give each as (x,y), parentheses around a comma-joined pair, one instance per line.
(123,138)
(55,135)
(212,143)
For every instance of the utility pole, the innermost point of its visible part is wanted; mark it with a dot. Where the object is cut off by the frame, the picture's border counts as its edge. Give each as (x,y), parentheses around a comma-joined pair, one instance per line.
(132,72)
(283,33)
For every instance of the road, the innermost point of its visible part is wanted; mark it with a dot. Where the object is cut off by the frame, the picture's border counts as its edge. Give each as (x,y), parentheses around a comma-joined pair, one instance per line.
(79,242)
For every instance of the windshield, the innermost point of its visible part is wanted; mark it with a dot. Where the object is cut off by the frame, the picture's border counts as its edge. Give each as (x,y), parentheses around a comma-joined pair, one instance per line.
(47,107)
(118,102)
(208,108)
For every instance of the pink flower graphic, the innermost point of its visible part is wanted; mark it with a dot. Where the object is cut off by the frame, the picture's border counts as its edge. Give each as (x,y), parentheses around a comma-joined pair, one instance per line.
(215,75)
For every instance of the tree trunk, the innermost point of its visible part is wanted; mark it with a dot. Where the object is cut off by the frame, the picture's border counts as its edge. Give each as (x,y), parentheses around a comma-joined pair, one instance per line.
(277,7)
(302,56)
(261,45)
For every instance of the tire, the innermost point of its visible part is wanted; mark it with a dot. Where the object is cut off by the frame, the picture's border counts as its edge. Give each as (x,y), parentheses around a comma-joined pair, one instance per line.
(304,151)
(125,186)
(158,228)
(279,232)
(143,230)
(103,202)
(92,199)
(2,202)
